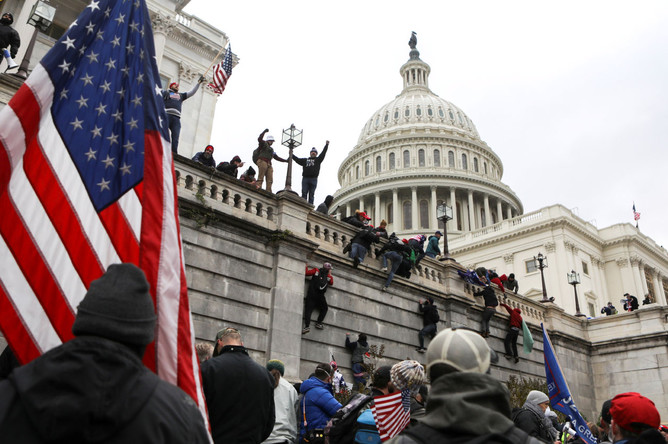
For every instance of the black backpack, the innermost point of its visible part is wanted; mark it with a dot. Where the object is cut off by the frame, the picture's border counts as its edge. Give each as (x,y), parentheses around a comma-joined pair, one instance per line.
(342,426)
(434,316)
(424,434)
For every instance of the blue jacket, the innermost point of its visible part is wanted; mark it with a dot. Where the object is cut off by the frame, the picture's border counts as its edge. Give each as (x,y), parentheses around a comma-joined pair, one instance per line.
(319,403)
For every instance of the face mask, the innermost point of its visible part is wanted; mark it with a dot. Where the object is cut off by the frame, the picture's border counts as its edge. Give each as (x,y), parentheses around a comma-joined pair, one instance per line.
(5,21)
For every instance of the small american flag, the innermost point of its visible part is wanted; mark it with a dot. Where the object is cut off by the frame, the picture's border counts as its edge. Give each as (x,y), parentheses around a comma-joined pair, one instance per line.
(222,72)
(86,181)
(636,215)
(392,413)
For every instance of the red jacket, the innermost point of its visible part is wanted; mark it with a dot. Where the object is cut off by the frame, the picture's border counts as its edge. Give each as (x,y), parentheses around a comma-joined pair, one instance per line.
(498,282)
(313,271)
(515,315)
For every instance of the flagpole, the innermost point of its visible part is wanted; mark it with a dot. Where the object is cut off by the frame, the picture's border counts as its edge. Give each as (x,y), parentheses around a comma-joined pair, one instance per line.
(214,60)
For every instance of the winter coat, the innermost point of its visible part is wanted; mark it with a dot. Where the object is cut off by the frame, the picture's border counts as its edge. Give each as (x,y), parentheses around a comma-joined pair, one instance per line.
(354,221)
(515,315)
(429,313)
(432,246)
(9,37)
(317,286)
(229,168)
(466,404)
(285,427)
(266,151)
(92,389)
(318,403)
(239,396)
(365,238)
(532,420)
(311,164)
(488,294)
(359,349)
(206,161)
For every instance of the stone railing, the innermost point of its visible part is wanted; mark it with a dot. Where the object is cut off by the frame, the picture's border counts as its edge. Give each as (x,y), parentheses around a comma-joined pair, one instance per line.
(225,194)
(533,312)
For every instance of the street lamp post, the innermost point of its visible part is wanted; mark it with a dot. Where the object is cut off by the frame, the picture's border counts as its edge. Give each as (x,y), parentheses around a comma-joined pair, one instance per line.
(574,280)
(292,138)
(41,18)
(542,264)
(444,214)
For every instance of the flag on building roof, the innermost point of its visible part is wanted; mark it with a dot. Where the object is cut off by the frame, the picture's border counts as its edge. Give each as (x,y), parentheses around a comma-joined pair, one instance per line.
(392,413)
(222,72)
(636,215)
(86,181)
(559,393)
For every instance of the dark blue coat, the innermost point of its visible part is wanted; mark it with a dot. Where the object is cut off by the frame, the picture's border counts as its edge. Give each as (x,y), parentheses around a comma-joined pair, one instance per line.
(319,403)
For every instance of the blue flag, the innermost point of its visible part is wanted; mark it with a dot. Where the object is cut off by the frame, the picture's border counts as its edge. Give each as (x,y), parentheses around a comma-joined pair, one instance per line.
(560,395)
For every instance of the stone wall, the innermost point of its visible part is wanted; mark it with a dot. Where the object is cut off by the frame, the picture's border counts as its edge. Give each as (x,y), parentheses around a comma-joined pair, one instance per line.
(246,250)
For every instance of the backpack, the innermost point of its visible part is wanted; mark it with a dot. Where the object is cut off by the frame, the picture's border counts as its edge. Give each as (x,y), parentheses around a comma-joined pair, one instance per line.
(366,432)
(424,434)
(319,281)
(256,155)
(340,429)
(434,316)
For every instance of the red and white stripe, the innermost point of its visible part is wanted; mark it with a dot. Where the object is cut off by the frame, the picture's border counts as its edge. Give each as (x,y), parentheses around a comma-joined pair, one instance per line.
(390,416)
(53,243)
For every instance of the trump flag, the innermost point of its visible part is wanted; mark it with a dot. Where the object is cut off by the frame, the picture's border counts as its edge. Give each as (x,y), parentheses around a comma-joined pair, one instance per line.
(86,181)
(560,395)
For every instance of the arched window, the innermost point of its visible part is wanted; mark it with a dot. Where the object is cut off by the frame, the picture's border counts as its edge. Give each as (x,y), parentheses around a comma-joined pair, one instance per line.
(392,161)
(390,214)
(367,168)
(440,112)
(430,112)
(408,215)
(407,159)
(475,164)
(387,117)
(437,158)
(357,172)
(451,159)
(378,164)
(465,165)
(396,114)
(452,116)
(484,164)
(407,112)
(418,111)
(424,214)
(421,160)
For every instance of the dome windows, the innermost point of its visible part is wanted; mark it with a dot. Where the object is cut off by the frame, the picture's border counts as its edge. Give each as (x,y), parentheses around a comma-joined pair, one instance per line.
(441,113)
(465,165)
(437,158)
(452,116)
(387,117)
(392,158)
(430,112)
(408,215)
(459,116)
(418,111)
(377,121)
(451,159)
(367,168)
(378,164)
(407,112)
(407,159)
(396,114)
(421,158)
(475,164)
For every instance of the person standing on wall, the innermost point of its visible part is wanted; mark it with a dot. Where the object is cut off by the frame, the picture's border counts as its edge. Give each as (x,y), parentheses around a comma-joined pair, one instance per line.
(173,102)
(311,171)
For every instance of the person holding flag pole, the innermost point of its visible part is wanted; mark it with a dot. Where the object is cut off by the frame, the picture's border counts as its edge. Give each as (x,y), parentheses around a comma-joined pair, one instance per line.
(559,394)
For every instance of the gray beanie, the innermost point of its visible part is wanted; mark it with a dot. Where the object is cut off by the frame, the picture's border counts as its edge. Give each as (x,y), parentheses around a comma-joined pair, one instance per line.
(536,397)
(118,306)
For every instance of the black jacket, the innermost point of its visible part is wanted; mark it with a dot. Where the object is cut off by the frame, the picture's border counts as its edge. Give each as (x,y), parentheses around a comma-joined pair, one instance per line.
(429,313)
(239,396)
(9,37)
(92,389)
(365,237)
(488,294)
(228,168)
(354,220)
(530,422)
(311,164)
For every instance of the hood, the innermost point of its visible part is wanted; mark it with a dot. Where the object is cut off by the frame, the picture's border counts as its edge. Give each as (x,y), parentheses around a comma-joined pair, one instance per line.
(313,382)
(517,310)
(469,403)
(84,390)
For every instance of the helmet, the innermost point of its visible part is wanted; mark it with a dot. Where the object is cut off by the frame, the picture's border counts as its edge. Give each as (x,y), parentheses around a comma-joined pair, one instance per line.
(461,349)
(269,138)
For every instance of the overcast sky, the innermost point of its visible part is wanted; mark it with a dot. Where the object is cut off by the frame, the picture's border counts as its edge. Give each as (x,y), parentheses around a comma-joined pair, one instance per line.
(572,96)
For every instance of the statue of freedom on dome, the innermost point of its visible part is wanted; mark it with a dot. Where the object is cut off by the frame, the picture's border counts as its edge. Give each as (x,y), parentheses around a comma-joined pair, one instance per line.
(413,40)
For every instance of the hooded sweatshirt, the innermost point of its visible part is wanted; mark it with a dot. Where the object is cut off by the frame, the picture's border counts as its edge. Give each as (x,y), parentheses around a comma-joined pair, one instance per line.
(93,389)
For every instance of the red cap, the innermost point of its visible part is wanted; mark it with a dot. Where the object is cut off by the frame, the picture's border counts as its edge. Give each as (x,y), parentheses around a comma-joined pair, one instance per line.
(173,84)
(630,408)
(209,148)
(364,215)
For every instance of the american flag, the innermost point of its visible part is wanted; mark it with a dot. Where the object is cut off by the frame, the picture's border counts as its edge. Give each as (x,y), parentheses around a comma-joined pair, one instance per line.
(392,413)
(86,181)
(222,72)
(636,215)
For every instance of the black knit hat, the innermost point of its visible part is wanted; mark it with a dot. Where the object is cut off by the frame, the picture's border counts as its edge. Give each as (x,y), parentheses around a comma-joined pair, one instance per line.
(118,306)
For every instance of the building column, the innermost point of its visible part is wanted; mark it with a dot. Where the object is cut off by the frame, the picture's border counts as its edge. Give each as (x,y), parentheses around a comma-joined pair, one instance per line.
(637,278)
(657,287)
(414,208)
(488,217)
(396,225)
(360,206)
(499,211)
(509,212)
(433,221)
(453,204)
(660,294)
(162,26)
(348,209)
(471,212)
(376,208)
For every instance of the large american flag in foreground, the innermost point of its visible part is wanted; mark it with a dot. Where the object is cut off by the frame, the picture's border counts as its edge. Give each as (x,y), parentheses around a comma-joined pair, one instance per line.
(392,413)
(86,180)
(222,72)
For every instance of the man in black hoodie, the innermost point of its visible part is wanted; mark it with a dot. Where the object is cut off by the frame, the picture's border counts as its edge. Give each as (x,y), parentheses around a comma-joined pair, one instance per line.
(311,171)
(465,402)
(491,302)
(429,320)
(95,388)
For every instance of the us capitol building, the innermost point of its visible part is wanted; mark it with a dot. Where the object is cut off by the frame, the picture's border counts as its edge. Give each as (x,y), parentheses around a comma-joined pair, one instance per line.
(419,151)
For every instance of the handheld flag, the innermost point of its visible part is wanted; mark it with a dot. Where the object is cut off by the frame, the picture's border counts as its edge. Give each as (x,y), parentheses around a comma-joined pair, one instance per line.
(222,72)
(86,181)
(527,339)
(392,413)
(560,395)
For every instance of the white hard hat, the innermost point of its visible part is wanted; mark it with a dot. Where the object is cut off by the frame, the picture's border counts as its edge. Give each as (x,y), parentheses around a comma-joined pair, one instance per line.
(269,138)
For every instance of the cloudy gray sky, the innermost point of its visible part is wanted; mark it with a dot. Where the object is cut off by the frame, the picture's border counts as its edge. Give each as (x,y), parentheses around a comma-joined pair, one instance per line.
(572,95)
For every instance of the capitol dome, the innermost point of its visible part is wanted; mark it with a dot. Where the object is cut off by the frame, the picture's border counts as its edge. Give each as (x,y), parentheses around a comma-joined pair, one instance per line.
(419,151)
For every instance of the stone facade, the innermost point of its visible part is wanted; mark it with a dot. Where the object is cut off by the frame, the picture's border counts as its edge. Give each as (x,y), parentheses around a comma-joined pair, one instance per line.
(245,254)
